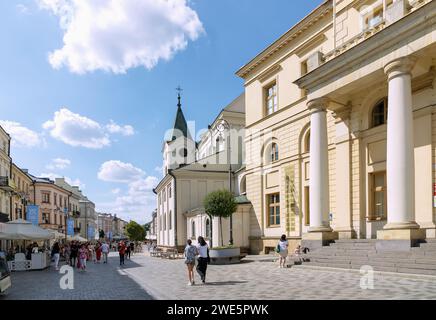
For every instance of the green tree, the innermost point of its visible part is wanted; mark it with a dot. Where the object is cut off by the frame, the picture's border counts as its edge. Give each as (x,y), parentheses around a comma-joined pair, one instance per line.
(135,231)
(220,204)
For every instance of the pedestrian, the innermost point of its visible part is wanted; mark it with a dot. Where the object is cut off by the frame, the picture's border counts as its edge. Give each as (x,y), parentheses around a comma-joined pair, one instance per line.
(282,250)
(73,254)
(190,254)
(122,252)
(105,251)
(67,252)
(132,248)
(83,256)
(203,259)
(98,252)
(92,255)
(128,251)
(55,253)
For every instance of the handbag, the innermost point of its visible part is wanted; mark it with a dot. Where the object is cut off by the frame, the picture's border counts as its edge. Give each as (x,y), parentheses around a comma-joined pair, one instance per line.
(278,248)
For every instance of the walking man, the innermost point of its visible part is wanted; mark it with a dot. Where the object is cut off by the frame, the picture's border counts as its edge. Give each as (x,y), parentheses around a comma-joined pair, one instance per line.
(105,251)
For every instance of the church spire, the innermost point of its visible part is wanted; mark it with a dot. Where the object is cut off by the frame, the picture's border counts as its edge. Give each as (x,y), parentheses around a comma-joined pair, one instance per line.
(180,124)
(179,98)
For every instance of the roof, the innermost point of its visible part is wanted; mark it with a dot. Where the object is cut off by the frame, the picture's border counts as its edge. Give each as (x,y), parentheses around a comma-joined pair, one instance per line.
(237,105)
(180,125)
(242,199)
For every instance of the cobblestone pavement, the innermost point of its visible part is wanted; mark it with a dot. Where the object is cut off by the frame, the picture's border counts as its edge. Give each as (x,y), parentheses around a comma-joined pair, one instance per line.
(144,278)
(99,282)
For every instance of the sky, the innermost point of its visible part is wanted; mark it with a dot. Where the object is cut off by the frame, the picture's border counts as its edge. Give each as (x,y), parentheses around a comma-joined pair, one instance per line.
(87,88)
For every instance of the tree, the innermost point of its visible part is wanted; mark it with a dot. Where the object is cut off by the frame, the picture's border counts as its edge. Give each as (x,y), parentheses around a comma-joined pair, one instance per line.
(101,234)
(220,204)
(135,231)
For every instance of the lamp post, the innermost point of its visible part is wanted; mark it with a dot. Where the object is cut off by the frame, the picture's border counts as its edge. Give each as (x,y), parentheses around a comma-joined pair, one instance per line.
(224,125)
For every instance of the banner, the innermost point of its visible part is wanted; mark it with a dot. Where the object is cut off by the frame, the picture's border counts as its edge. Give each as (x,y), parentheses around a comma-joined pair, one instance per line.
(32,214)
(109,235)
(91,232)
(70,227)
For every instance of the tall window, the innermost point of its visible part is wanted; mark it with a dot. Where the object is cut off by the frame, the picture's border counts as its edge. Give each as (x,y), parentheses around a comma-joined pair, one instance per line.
(274,152)
(208,229)
(45,197)
(380,113)
(271,99)
(307,206)
(170,220)
(307,142)
(378,181)
(274,209)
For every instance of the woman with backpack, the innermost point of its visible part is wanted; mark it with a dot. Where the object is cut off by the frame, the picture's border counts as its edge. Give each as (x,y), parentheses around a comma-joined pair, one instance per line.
(190,254)
(282,250)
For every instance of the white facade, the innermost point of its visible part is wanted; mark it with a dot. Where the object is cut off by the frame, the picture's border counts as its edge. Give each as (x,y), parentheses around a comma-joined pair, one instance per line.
(5,170)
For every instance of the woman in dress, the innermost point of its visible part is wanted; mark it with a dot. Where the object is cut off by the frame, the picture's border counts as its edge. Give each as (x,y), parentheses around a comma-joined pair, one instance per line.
(203,258)
(190,254)
(98,252)
(83,256)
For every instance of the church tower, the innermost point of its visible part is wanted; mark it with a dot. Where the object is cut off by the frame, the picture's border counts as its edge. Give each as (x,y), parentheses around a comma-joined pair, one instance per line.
(179,147)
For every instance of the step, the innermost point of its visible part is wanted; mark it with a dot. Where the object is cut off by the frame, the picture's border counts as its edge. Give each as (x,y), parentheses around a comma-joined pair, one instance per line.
(330,265)
(417,271)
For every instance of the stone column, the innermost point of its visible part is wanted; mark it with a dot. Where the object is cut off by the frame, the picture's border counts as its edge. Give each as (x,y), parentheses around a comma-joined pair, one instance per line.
(400,155)
(320,232)
(343,214)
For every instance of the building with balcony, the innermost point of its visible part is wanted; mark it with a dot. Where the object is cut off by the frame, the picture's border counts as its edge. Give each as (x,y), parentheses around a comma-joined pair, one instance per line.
(53,202)
(74,200)
(319,96)
(105,223)
(6,183)
(21,193)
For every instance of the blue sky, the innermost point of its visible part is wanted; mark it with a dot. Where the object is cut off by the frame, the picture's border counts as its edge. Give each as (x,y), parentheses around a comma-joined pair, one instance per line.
(88,91)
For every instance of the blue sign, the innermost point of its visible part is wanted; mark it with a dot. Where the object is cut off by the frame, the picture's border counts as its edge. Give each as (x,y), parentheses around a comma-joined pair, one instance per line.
(32,214)
(65,211)
(91,232)
(70,227)
(109,235)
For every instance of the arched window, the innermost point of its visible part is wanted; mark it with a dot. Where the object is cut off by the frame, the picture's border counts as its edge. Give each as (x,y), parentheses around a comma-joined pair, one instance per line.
(274,155)
(208,229)
(307,142)
(243,186)
(379,115)
(193,230)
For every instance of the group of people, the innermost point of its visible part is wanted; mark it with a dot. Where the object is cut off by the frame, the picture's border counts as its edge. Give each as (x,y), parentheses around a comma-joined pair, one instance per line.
(201,250)
(77,254)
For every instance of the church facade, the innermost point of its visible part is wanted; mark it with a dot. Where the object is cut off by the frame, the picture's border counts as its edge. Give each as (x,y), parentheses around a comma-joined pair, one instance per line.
(191,170)
(341,127)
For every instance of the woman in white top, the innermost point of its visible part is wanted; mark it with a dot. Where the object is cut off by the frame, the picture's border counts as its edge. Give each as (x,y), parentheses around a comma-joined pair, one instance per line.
(283,251)
(203,259)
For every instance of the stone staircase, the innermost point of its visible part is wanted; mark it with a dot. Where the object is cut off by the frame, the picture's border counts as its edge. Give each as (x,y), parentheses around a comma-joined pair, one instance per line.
(353,254)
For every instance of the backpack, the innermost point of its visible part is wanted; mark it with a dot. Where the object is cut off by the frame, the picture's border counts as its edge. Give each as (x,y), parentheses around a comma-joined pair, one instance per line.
(278,248)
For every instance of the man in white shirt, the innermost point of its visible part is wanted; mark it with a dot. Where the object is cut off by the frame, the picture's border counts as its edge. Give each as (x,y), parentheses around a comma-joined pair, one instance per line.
(105,251)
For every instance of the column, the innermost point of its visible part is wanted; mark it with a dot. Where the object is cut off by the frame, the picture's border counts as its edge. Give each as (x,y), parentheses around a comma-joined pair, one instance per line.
(343,214)
(319,230)
(400,154)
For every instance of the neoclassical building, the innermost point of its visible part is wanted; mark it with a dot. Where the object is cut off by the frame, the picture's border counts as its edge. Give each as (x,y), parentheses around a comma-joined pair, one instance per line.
(6,183)
(341,126)
(194,169)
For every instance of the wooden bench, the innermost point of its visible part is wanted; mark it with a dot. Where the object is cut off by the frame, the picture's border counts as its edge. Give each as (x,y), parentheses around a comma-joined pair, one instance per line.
(170,253)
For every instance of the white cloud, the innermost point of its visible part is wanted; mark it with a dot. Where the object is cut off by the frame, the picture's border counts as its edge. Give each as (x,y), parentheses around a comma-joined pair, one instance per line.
(80,131)
(23,9)
(76,130)
(116,191)
(59,164)
(126,130)
(138,201)
(117,171)
(116,35)
(22,136)
(72,182)
(158,169)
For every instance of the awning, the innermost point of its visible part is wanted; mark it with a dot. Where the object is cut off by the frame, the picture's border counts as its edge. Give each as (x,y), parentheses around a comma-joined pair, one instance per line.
(23,230)
(57,234)
(77,238)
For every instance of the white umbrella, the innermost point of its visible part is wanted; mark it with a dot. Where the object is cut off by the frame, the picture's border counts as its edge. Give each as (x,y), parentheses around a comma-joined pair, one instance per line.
(77,238)
(23,230)
(57,234)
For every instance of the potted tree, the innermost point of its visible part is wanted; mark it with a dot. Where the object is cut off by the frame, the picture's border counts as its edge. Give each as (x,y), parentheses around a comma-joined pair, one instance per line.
(222,204)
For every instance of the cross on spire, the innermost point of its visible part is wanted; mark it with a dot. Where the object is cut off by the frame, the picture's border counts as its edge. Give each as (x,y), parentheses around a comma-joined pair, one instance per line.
(179,90)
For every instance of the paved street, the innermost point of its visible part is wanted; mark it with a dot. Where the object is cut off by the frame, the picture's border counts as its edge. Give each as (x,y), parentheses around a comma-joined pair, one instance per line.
(145,277)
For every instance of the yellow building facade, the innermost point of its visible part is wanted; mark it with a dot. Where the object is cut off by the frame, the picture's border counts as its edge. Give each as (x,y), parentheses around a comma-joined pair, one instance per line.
(324,157)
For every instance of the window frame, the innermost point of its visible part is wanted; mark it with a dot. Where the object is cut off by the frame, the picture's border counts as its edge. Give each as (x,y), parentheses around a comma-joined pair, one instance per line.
(273,97)
(273,201)
(385,112)
(372,216)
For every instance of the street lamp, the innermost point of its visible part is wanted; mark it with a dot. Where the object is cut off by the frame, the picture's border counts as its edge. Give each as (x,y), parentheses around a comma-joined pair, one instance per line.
(224,125)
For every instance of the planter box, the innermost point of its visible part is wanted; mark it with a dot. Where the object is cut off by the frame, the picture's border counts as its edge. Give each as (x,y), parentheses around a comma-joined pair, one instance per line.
(225,256)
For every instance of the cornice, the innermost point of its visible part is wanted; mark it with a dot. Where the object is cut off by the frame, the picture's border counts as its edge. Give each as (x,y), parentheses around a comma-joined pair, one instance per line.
(317,14)
(411,24)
